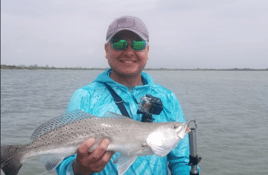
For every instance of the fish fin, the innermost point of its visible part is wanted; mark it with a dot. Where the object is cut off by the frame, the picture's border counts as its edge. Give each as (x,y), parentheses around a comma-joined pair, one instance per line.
(137,151)
(51,162)
(115,115)
(11,157)
(60,121)
(116,159)
(124,162)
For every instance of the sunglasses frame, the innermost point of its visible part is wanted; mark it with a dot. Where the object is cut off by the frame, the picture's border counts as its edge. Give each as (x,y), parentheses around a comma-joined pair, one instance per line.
(128,43)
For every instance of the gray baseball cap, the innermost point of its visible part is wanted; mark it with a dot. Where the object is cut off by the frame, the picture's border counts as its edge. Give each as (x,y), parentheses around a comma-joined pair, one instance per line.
(130,23)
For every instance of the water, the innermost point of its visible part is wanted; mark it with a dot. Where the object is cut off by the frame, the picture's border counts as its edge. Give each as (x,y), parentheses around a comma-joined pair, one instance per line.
(230,107)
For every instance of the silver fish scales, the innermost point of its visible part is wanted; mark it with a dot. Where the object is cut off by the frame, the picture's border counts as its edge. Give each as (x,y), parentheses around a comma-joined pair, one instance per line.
(61,137)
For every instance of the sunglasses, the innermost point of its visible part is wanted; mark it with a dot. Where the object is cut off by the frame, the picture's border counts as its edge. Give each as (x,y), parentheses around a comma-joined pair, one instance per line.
(123,44)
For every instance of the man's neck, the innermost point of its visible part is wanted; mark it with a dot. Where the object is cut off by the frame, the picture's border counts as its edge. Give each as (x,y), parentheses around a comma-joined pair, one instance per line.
(129,81)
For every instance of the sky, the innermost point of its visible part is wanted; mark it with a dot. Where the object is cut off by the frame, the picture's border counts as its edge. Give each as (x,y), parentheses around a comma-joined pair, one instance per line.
(183,33)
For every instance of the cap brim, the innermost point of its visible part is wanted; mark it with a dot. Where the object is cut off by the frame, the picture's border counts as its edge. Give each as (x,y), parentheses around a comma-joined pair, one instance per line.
(136,32)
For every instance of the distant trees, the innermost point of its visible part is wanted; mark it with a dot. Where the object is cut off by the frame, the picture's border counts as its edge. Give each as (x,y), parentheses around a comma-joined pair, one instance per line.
(31,67)
(36,67)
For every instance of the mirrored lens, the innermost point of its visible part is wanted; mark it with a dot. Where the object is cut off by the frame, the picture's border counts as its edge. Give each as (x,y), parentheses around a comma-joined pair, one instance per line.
(120,45)
(123,44)
(138,45)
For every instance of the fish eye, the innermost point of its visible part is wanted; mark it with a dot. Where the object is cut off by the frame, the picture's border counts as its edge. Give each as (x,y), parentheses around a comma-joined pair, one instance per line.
(174,126)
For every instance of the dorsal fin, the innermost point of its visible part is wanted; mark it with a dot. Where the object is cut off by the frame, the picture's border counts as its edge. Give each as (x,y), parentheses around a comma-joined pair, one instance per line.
(115,115)
(60,121)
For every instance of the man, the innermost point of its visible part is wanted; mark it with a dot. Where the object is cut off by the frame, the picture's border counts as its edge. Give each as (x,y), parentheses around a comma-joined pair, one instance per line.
(127,54)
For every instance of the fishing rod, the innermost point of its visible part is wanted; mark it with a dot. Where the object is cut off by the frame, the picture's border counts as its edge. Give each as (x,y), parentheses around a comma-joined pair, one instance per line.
(194,159)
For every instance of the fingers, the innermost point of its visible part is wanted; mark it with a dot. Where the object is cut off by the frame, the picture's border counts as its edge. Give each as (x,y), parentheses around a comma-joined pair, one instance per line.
(99,158)
(83,149)
(107,156)
(82,152)
(94,161)
(99,151)
(103,156)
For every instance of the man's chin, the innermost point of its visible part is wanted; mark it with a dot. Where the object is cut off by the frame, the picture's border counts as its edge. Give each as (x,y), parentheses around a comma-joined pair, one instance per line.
(132,72)
(128,73)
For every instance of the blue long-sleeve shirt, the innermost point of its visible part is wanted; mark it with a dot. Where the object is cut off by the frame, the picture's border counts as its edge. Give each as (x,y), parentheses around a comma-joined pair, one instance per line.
(97,100)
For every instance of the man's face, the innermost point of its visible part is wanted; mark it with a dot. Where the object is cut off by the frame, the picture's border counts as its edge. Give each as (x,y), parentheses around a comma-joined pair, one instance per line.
(126,63)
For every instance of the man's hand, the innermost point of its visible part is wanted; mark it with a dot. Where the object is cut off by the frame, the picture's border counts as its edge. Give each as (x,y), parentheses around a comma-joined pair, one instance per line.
(90,162)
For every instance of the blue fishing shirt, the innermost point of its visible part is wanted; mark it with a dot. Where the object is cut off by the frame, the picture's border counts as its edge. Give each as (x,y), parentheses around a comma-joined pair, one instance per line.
(95,99)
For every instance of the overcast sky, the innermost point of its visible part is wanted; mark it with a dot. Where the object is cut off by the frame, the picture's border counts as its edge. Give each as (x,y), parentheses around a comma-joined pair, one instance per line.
(183,33)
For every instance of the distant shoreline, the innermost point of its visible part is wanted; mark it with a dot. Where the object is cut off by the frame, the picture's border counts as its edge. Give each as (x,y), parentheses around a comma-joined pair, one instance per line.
(36,67)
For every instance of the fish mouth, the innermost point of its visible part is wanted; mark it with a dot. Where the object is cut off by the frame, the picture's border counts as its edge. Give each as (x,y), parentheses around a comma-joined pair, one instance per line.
(183,130)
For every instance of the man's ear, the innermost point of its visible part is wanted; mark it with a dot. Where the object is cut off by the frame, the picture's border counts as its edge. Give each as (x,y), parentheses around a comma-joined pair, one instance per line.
(106,50)
(148,53)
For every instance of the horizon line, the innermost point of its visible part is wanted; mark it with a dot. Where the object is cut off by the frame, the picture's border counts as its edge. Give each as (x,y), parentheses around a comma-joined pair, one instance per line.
(3,66)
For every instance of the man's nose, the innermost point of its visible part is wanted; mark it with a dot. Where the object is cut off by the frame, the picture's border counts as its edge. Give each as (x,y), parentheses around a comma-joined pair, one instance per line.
(129,51)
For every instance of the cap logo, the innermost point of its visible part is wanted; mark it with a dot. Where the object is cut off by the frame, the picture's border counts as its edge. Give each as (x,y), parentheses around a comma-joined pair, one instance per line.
(125,23)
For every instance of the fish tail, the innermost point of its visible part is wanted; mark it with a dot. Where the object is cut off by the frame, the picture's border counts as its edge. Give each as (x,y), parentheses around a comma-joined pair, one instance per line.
(11,157)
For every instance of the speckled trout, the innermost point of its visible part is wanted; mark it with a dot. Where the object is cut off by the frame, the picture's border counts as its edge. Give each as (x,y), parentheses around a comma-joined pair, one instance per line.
(61,137)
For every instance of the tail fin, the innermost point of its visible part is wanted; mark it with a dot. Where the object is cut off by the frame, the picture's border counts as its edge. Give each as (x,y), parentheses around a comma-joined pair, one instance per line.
(11,159)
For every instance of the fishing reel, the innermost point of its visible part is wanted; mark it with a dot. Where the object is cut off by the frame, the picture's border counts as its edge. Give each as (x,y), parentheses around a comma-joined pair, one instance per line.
(148,106)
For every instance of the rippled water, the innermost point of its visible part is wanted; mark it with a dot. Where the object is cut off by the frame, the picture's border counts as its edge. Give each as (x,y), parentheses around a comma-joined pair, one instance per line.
(231,108)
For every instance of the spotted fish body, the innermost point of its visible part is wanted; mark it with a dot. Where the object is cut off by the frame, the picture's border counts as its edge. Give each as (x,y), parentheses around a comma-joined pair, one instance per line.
(61,137)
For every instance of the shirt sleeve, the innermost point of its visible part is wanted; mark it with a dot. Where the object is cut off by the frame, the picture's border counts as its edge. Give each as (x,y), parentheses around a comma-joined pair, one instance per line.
(178,158)
(79,100)
(66,166)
